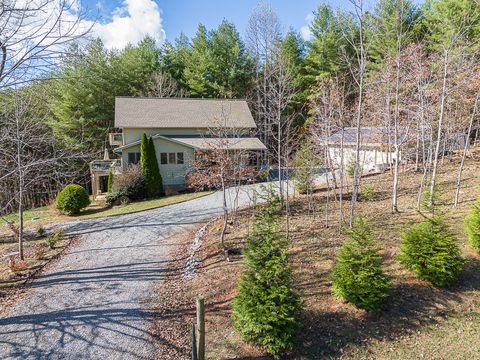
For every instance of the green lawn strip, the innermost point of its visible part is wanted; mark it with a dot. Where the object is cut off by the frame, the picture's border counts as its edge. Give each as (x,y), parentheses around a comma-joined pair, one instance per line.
(45,215)
(140,206)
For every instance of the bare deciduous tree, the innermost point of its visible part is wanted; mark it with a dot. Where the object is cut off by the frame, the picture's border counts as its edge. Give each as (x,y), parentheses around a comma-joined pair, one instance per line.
(280,91)
(30,157)
(222,163)
(263,35)
(34,36)
(356,36)
(331,115)
(163,85)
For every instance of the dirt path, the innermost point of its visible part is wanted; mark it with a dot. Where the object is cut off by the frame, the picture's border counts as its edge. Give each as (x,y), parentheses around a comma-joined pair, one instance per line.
(92,303)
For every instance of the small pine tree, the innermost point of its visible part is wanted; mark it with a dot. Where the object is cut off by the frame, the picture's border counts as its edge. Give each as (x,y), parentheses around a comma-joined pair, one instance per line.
(266,307)
(149,166)
(306,164)
(430,250)
(357,275)
(472,226)
(110,181)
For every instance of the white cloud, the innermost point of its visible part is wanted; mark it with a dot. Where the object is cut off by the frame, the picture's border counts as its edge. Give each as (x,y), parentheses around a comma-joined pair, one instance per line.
(305,30)
(130,23)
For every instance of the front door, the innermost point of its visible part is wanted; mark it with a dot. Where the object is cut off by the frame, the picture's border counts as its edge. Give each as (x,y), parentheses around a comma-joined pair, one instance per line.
(103,184)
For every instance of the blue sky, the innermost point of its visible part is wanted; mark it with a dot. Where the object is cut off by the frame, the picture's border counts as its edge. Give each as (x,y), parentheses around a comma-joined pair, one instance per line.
(122,21)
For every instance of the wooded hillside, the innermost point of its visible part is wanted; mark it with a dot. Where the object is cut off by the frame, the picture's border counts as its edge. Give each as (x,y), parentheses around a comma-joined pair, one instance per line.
(395,65)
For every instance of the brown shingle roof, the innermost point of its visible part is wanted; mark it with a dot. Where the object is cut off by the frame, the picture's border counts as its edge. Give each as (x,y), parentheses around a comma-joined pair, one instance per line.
(205,143)
(229,143)
(135,112)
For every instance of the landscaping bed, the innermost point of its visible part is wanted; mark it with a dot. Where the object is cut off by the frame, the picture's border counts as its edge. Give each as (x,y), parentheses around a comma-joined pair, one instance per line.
(38,252)
(418,321)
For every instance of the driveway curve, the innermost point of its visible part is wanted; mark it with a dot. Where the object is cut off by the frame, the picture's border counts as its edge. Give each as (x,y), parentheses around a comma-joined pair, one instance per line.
(93,302)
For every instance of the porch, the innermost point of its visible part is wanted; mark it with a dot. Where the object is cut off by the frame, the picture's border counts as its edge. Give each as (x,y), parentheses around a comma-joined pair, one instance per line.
(99,171)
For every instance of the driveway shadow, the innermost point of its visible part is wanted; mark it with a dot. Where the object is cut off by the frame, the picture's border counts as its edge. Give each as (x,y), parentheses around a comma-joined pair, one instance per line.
(91,329)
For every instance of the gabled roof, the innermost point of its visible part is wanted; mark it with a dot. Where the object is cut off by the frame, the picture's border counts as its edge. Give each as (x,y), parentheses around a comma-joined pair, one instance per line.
(205,143)
(374,136)
(242,143)
(140,112)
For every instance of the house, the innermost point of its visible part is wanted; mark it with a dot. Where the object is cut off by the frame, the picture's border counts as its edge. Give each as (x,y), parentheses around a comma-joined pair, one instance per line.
(376,146)
(181,128)
(377,150)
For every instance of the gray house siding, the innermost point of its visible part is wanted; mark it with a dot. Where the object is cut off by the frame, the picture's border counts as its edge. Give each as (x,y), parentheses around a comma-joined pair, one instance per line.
(172,174)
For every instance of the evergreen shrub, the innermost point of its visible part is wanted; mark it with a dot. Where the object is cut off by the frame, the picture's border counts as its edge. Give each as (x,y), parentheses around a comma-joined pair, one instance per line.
(306,164)
(472,226)
(266,307)
(430,250)
(72,199)
(357,275)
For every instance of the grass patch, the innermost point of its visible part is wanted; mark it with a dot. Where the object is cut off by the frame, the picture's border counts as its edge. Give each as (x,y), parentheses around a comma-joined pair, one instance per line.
(47,215)
(138,206)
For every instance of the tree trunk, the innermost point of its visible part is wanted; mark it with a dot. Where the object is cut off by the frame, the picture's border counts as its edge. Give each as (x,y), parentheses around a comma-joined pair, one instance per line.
(440,123)
(20,192)
(225,214)
(467,143)
(20,223)
(342,165)
(279,155)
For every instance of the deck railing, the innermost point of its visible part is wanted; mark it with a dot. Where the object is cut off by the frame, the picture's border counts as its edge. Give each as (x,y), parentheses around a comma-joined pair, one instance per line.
(115,139)
(105,165)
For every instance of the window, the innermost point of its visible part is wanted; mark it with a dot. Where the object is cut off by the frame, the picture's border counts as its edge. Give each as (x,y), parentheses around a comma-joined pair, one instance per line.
(163,159)
(179,158)
(133,158)
(172,158)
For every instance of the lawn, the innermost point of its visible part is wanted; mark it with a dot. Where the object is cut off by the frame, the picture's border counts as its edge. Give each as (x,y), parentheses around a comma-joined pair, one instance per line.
(419,320)
(46,215)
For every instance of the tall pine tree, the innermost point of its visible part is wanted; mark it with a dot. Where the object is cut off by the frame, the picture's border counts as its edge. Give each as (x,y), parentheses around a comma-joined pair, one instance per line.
(149,166)
(157,181)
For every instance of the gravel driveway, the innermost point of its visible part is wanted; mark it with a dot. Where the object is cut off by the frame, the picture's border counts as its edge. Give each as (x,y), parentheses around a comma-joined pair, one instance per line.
(92,303)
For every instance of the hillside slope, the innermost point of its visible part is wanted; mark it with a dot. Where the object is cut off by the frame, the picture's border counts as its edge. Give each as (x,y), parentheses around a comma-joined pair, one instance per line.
(419,320)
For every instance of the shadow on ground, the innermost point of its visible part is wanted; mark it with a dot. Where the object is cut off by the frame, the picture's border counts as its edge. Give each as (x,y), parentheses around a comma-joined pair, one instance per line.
(410,308)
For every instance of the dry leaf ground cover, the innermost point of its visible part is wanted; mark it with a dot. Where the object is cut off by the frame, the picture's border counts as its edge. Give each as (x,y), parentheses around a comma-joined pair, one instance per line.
(419,320)
(37,255)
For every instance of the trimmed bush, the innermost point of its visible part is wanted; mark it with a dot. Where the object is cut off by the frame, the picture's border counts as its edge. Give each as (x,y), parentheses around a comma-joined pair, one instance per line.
(430,250)
(357,275)
(472,226)
(149,166)
(266,307)
(306,164)
(72,199)
(130,184)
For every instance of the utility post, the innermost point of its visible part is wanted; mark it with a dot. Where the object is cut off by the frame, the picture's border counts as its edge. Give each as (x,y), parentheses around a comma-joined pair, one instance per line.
(201,328)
